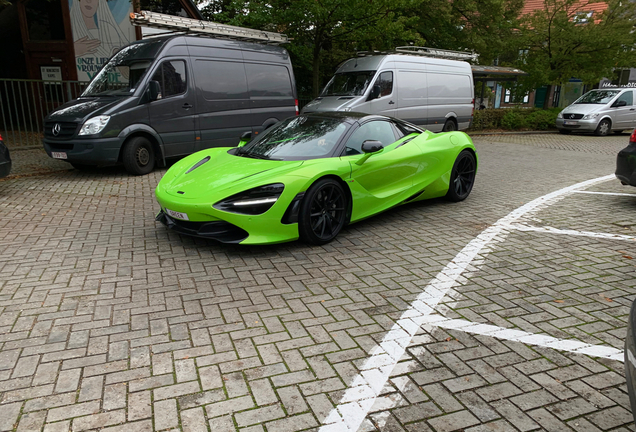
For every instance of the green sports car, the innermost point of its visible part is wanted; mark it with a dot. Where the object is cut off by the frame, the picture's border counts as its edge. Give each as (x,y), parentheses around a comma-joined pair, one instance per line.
(308,176)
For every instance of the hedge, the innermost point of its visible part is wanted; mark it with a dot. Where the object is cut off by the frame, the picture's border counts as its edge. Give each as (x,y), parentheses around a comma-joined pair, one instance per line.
(515,119)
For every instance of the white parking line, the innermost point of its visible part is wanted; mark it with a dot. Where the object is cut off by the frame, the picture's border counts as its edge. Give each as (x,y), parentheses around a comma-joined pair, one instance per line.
(606,193)
(374,373)
(513,335)
(550,230)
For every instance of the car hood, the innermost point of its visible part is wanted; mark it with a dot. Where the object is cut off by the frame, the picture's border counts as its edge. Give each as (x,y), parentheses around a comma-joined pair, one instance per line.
(583,108)
(223,175)
(331,103)
(79,109)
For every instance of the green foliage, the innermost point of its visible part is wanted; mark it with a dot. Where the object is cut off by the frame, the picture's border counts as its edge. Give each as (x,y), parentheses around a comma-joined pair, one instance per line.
(515,119)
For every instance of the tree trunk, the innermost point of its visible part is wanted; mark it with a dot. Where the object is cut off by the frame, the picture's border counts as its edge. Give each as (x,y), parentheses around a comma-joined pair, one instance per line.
(547,102)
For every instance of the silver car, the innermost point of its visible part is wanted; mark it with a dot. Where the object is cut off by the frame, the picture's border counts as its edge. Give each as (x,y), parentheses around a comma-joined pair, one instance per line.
(600,111)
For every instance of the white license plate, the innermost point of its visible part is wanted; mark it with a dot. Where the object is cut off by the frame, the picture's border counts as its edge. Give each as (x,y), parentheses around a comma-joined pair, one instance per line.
(570,123)
(59,155)
(177,215)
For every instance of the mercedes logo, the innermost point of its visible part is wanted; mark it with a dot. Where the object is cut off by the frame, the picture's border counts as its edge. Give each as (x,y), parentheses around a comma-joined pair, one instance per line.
(56,129)
(571,116)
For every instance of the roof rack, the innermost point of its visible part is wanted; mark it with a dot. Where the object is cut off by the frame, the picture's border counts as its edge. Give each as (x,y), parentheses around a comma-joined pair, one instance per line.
(205,28)
(426,52)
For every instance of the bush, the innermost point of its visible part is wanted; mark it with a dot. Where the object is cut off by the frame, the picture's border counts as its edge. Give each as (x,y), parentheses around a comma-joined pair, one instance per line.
(515,119)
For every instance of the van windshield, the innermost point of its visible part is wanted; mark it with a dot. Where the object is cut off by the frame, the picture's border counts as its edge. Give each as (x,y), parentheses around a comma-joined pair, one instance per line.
(348,83)
(600,97)
(124,71)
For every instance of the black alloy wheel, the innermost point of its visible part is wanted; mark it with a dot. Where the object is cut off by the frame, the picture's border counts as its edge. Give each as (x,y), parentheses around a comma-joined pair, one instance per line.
(449,126)
(323,212)
(138,156)
(462,176)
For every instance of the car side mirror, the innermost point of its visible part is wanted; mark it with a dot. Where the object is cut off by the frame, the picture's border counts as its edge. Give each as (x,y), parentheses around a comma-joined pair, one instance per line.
(620,103)
(369,147)
(245,138)
(153,91)
(375,92)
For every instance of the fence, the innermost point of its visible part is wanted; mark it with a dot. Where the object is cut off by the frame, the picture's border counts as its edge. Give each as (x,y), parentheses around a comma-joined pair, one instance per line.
(25,103)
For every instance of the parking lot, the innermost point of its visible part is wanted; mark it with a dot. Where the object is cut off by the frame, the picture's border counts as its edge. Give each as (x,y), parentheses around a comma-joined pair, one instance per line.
(506,312)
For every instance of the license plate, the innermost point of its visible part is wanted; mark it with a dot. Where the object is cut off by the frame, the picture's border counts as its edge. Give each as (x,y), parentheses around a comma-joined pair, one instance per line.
(59,155)
(570,123)
(177,215)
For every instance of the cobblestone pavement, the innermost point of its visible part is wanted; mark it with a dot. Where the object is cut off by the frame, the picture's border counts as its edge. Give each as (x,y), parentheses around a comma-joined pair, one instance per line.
(107,320)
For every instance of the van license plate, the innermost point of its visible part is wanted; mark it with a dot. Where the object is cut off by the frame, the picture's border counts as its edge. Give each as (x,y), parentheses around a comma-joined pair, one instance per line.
(177,215)
(570,123)
(59,155)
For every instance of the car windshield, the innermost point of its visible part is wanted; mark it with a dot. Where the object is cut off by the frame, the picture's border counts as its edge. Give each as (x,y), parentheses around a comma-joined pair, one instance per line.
(124,71)
(297,138)
(600,97)
(348,84)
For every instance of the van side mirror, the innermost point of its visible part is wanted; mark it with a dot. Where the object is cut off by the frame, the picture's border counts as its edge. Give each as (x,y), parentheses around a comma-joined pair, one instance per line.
(620,103)
(245,138)
(153,91)
(375,92)
(369,147)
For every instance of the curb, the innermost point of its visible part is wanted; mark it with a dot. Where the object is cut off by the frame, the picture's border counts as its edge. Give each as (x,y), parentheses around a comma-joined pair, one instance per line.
(512,133)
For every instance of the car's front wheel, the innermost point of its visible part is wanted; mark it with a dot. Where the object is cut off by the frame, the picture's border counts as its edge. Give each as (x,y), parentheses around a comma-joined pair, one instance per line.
(462,176)
(138,156)
(323,212)
(603,128)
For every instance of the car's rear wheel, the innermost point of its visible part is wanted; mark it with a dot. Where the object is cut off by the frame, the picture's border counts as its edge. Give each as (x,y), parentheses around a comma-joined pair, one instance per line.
(138,156)
(604,127)
(449,126)
(462,176)
(323,212)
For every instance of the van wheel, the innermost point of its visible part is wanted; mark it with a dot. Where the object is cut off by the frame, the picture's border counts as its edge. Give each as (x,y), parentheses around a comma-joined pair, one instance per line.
(603,128)
(138,156)
(449,126)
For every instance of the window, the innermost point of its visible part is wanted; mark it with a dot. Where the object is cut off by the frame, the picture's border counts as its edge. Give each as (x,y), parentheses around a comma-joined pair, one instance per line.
(583,17)
(511,98)
(265,80)
(627,97)
(172,78)
(374,130)
(385,81)
(45,20)
(221,80)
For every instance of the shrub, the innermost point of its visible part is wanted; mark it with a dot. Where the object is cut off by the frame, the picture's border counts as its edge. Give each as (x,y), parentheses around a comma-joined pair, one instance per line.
(515,119)
(488,119)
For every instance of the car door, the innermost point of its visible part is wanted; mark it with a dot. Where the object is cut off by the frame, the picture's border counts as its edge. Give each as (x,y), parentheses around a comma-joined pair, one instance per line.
(385,177)
(172,114)
(624,116)
(385,103)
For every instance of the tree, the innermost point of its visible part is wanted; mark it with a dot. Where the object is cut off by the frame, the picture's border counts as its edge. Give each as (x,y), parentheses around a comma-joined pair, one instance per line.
(563,40)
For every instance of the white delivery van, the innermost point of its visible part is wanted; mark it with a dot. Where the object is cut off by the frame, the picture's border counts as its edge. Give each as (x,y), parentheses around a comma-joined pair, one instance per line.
(435,93)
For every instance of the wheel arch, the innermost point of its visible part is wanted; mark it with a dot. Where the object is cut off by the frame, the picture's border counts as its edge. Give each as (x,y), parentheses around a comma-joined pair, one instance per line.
(346,188)
(148,133)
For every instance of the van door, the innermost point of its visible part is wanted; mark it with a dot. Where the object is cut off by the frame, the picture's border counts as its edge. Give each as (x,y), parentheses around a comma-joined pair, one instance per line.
(385,103)
(271,94)
(412,96)
(172,114)
(624,116)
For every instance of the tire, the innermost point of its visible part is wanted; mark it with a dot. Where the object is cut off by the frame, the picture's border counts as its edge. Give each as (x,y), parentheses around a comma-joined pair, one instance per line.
(82,167)
(462,177)
(604,128)
(323,212)
(449,126)
(138,156)
(565,131)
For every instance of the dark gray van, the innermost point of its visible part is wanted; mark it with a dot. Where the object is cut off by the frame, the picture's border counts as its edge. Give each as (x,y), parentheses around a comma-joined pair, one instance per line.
(180,94)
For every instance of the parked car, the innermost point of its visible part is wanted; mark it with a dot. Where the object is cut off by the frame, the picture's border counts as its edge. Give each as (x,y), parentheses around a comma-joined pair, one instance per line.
(600,111)
(434,93)
(309,176)
(626,162)
(5,159)
(178,95)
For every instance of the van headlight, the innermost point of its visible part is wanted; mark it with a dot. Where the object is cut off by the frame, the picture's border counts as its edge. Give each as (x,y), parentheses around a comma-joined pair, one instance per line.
(94,125)
(252,201)
(591,116)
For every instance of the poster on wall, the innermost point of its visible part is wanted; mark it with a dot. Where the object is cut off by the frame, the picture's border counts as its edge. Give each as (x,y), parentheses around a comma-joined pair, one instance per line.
(100,29)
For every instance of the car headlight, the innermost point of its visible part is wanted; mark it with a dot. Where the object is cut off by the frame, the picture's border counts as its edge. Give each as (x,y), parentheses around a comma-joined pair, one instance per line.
(560,114)
(591,116)
(253,201)
(94,125)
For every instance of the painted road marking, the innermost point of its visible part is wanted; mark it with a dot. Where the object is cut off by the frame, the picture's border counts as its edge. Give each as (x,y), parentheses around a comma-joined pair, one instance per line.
(374,373)
(550,230)
(606,193)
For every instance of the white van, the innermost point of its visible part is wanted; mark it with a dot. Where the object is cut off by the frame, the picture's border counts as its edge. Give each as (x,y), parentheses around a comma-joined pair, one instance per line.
(430,92)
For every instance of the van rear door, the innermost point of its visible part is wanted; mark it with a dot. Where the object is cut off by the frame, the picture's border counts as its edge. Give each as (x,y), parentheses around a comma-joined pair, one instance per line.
(172,114)
(271,93)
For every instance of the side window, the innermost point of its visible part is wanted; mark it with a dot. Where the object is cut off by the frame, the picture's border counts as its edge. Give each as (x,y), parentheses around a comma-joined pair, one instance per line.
(172,78)
(268,80)
(219,80)
(627,97)
(374,130)
(385,81)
